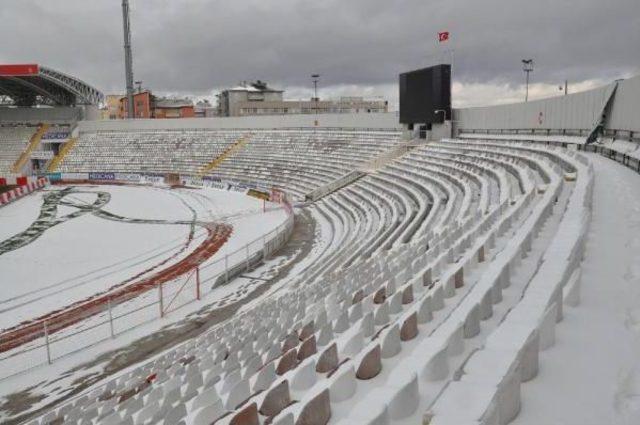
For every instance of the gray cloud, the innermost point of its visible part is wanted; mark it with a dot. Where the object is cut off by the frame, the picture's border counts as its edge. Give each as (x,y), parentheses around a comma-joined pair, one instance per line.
(196,45)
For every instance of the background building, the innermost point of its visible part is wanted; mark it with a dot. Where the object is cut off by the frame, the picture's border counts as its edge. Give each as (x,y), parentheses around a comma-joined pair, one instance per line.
(258,99)
(204,109)
(172,108)
(246,97)
(146,105)
(141,105)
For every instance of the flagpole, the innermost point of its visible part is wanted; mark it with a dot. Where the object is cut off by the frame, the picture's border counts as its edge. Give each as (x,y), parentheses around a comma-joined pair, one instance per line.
(445,37)
(451,76)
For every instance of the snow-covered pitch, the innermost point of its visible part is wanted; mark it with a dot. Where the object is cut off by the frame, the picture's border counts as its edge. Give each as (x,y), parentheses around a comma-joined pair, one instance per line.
(67,244)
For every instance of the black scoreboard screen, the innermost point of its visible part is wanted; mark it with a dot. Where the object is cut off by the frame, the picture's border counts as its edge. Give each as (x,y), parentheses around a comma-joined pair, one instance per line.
(425,94)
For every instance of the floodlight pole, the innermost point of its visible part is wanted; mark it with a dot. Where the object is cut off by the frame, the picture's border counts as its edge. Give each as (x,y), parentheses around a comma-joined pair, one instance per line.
(315,78)
(527,67)
(128,61)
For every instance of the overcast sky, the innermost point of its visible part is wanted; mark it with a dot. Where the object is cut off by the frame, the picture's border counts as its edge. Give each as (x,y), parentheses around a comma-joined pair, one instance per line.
(358,46)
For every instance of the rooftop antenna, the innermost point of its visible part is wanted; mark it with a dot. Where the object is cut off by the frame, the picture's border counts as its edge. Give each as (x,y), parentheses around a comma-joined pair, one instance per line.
(128,62)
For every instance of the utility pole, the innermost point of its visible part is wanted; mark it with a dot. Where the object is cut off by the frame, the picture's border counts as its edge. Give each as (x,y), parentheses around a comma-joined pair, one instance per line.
(527,67)
(315,78)
(128,61)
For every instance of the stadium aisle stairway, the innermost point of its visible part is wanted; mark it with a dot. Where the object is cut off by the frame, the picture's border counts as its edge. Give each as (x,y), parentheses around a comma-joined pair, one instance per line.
(34,142)
(62,154)
(236,146)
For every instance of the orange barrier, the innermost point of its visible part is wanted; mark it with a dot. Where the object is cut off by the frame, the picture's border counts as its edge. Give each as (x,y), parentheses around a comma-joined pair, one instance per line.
(25,188)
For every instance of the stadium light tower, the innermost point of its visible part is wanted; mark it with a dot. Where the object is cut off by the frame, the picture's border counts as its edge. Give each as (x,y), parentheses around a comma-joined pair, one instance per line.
(315,78)
(128,61)
(527,67)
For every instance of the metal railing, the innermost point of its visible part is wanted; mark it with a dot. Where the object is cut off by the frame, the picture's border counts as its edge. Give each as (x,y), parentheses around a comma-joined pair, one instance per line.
(122,317)
(387,156)
(620,157)
(620,134)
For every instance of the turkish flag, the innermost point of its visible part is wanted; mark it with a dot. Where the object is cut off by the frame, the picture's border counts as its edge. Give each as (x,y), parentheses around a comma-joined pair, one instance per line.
(443,36)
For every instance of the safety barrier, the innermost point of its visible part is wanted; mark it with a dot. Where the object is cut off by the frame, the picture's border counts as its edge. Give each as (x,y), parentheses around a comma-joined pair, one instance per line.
(387,156)
(624,158)
(336,184)
(620,157)
(46,343)
(27,185)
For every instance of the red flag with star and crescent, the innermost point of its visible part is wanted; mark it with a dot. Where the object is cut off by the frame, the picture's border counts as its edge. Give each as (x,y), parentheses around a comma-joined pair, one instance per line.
(443,36)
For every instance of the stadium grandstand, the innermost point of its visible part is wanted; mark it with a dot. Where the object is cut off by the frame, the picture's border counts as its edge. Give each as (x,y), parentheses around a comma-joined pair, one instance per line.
(342,269)
(27,85)
(39,109)
(435,265)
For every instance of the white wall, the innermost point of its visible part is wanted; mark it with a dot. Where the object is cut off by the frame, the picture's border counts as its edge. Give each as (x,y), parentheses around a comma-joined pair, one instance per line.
(579,111)
(387,121)
(38,115)
(625,114)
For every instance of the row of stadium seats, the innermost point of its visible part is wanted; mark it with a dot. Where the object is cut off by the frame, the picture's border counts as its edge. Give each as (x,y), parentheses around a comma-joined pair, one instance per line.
(147,151)
(296,160)
(13,142)
(301,160)
(421,263)
(624,151)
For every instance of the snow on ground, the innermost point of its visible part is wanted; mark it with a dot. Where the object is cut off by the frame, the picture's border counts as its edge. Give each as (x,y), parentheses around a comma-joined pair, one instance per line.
(250,224)
(63,265)
(151,203)
(88,254)
(324,238)
(80,257)
(592,374)
(60,375)
(232,207)
(17,216)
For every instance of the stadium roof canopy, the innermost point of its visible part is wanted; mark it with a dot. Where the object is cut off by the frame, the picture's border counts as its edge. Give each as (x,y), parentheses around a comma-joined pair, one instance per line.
(32,84)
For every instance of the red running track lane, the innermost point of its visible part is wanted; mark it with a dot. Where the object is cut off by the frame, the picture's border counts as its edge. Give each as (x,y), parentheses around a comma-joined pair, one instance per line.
(60,319)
